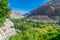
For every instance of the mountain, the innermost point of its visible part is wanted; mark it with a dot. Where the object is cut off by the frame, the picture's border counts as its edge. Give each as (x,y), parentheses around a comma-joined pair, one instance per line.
(50,10)
(16,15)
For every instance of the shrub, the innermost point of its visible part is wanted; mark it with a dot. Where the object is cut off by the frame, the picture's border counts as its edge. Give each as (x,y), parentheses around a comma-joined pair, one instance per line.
(46,33)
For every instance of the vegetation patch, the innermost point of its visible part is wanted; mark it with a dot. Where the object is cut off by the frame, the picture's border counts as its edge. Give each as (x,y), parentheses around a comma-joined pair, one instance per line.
(35,30)
(4,11)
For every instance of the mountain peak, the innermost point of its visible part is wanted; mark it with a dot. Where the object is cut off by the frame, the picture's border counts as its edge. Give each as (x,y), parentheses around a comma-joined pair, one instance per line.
(51,10)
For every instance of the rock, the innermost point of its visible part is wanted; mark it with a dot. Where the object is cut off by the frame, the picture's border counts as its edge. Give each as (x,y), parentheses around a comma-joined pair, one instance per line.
(1,38)
(8,23)
(6,31)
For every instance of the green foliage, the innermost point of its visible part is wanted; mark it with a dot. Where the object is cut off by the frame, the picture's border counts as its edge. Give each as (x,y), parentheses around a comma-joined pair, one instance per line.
(58,23)
(35,30)
(24,24)
(1,21)
(4,10)
(46,33)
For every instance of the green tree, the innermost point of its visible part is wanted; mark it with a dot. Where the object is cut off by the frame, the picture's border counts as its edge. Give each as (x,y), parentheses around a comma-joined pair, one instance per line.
(4,10)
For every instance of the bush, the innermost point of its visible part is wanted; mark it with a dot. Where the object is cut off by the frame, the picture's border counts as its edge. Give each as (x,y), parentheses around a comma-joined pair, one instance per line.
(47,33)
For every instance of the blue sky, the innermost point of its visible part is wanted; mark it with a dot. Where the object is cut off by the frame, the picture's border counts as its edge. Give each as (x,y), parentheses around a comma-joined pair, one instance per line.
(24,6)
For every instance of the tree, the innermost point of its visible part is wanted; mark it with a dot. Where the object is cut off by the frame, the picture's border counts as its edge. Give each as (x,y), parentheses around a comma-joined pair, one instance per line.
(4,10)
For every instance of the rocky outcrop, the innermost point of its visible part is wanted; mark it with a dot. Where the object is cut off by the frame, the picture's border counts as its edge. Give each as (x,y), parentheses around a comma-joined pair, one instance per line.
(7,30)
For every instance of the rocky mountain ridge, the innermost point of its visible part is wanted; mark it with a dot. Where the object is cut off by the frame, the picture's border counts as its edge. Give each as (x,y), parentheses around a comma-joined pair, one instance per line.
(51,10)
